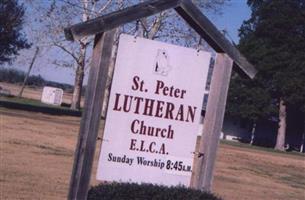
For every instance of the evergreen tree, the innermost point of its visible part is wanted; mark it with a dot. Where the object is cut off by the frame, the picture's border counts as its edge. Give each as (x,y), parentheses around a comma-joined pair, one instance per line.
(11,37)
(273,39)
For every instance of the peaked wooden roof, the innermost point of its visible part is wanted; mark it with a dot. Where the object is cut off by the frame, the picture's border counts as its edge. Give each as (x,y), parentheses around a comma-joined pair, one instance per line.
(185,8)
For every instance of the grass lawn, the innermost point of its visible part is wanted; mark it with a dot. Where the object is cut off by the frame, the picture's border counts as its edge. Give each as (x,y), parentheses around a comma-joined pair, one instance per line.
(244,145)
(30,102)
(36,106)
(36,156)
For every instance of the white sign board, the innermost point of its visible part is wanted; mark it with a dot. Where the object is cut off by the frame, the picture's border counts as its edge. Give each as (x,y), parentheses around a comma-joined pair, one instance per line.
(52,95)
(153,113)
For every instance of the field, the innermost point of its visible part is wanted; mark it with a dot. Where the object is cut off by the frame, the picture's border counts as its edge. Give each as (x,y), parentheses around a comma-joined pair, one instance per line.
(33,93)
(36,155)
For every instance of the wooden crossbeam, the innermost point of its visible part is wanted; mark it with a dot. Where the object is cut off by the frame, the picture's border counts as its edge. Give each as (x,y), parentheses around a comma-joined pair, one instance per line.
(115,19)
(188,11)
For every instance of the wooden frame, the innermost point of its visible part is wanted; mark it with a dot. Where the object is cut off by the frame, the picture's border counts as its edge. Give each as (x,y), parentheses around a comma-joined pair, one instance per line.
(84,153)
(186,9)
(212,125)
(227,57)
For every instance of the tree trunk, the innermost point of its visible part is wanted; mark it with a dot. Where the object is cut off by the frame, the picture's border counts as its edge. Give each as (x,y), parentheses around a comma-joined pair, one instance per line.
(281,134)
(80,70)
(253,133)
(79,78)
(29,71)
(303,140)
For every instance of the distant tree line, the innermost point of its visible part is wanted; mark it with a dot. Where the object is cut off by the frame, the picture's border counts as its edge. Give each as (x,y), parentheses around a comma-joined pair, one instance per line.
(15,76)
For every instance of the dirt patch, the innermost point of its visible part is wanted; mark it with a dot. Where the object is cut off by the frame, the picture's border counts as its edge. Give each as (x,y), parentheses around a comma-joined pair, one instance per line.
(36,156)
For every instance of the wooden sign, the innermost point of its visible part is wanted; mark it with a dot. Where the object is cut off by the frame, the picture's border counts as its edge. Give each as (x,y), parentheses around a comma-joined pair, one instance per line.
(103,29)
(153,113)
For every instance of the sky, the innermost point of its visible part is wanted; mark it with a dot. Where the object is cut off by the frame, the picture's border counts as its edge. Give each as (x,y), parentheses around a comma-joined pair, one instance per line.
(230,20)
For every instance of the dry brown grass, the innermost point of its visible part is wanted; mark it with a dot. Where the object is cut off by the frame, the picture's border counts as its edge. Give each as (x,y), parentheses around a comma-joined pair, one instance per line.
(247,174)
(36,154)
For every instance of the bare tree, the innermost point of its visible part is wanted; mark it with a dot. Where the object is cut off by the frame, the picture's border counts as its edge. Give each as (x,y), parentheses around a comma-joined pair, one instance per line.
(56,15)
(52,17)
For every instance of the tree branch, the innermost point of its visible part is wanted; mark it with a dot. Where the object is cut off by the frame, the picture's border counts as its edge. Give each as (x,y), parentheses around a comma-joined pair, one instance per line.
(156,26)
(105,6)
(65,50)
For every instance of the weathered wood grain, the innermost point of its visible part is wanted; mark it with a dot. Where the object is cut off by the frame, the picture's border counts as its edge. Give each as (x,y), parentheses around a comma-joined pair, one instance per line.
(212,125)
(195,169)
(84,154)
(115,19)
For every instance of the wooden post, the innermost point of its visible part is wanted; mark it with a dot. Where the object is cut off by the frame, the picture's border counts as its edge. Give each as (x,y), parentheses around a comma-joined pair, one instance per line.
(85,149)
(212,125)
(195,164)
